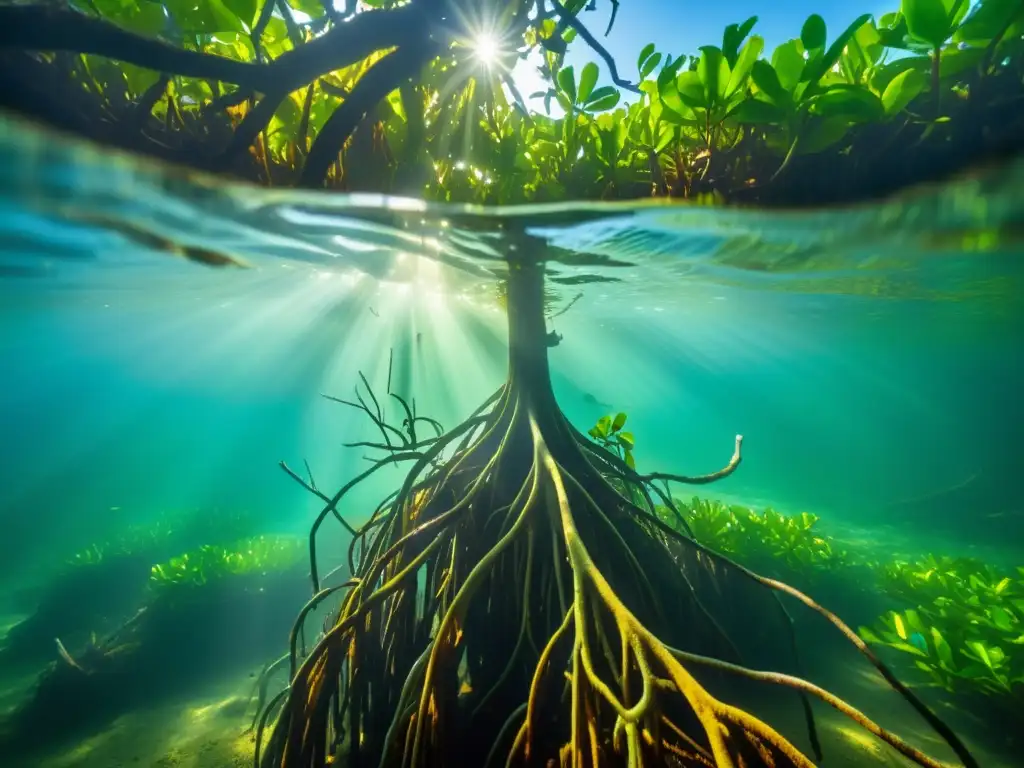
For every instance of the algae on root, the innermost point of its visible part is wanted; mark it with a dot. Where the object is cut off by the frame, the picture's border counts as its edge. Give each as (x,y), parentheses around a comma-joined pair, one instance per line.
(517,601)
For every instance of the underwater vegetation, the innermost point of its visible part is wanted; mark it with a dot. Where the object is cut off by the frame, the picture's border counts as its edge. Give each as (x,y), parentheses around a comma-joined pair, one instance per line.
(204,612)
(97,587)
(768,538)
(417,98)
(965,631)
(250,557)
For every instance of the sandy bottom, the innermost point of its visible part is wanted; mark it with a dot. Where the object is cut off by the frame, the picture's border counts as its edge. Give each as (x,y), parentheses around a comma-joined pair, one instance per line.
(210,729)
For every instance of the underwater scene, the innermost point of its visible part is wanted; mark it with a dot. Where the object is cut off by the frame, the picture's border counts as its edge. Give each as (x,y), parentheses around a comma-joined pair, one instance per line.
(439,383)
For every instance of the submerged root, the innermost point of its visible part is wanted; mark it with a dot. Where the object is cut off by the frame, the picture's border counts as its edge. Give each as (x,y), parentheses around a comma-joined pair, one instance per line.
(517,602)
(482,627)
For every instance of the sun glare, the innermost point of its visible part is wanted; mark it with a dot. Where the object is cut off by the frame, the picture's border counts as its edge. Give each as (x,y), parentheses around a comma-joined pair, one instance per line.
(485,47)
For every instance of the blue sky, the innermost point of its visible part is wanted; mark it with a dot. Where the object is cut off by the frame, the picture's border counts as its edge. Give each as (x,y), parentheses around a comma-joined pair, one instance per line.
(682,26)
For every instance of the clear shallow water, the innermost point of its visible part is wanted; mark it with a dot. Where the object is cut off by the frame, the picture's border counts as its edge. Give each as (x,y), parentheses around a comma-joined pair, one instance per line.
(869,355)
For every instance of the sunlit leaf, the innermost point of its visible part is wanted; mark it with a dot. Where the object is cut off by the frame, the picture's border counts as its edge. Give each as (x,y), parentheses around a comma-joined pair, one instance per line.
(645,54)
(588,79)
(650,65)
(567,83)
(744,63)
(602,99)
(902,90)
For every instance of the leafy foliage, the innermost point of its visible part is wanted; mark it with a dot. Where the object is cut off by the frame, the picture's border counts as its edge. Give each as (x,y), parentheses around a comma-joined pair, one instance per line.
(209,564)
(758,538)
(167,531)
(967,631)
(731,117)
(608,433)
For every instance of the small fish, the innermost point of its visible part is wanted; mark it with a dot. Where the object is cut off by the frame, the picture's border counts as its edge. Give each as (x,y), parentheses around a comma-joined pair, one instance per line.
(917,640)
(589,399)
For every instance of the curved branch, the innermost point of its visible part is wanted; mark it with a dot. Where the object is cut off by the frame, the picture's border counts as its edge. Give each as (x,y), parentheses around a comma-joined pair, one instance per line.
(728,469)
(599,49)
(40,28)
(382,78)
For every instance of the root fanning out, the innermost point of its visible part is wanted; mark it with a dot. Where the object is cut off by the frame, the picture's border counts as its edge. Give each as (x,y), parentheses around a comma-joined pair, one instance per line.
(518,603)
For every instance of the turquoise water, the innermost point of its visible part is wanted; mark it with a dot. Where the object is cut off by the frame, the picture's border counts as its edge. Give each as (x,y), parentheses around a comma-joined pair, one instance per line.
(870,356)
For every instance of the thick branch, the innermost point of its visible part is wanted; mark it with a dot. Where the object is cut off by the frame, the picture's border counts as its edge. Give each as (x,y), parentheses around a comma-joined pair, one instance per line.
(382,78)
(45,29)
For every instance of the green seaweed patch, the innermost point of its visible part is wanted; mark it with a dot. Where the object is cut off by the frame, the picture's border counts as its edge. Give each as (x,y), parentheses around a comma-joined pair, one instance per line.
(169,529)
(258,556)
(966,634)
(787,542)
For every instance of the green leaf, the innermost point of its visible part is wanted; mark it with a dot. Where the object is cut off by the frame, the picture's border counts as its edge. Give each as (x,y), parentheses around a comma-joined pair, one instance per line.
(822,133)
(788,62)
(868,636)
(766,79)
(713,71)
(927,20)
(604,98)
(620,420)
(882,76)
(981,653)
(630,461)
(758,112)
(813,33)
(817,67)
(567,83)
(645,53)
(733,38)
(245,10)
(650,65)
(902,90)
(588,79)
(852,102)
(626,439)
(1001,618)
(908,648)
(990,17)
(744,63)
(942,649)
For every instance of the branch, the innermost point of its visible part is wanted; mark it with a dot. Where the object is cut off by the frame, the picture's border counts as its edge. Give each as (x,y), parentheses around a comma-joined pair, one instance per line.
(41,28)
(311,487)
(382,78)
(728,469)
(599,49)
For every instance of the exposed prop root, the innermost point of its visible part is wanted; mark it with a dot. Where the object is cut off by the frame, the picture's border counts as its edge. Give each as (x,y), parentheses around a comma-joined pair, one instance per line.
(517,602)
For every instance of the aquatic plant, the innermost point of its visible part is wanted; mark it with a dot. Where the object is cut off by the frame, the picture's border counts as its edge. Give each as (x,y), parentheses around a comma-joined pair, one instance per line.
(415,98)
(209,563)
(608,433)
(509,605)
(966,632)
(167,531)
(785,544)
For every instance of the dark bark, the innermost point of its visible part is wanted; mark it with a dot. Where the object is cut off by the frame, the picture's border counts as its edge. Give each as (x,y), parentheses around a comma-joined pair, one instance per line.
(37,28)
(385,76)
